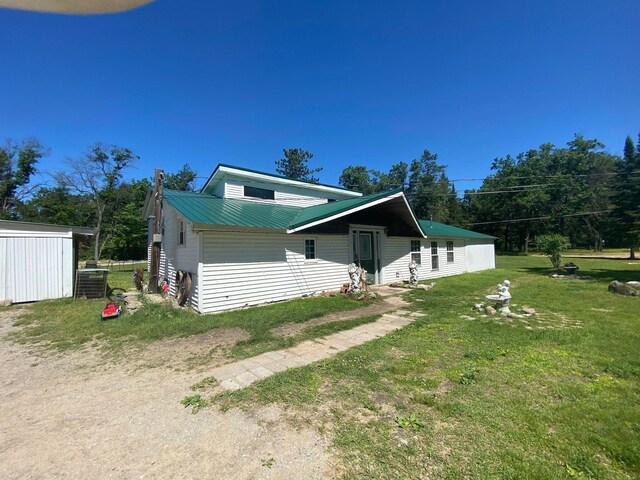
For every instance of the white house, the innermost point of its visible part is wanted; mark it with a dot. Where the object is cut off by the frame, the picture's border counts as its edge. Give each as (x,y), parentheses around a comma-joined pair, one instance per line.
(249,238)
(37,261)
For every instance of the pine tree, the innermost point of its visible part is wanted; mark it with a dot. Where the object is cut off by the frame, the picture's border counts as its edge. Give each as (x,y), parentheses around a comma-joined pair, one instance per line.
(294,165)
(627,197)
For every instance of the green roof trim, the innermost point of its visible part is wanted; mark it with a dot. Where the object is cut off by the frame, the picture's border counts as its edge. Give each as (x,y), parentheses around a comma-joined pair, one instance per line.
(207,209)
(273,175)
(437,229)
(326,210)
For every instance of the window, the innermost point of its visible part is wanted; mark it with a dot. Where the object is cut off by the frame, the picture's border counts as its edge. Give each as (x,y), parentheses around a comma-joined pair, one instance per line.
(449,251)
(181,233)
(416,256)
(259,193)
(434,256)
(310,249)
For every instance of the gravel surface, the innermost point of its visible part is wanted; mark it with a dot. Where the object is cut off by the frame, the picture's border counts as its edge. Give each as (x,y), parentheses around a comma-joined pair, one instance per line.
(77,416)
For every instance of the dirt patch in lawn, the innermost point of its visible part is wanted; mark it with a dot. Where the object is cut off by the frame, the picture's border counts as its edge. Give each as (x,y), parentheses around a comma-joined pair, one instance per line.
(389,304)
(205,349)
(77,416)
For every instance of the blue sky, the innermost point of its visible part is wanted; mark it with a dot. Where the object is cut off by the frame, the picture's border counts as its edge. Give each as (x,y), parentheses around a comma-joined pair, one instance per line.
(373,83)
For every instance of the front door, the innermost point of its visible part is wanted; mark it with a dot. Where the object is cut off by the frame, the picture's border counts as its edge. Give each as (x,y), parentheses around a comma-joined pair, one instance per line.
(365,251)
(367,255)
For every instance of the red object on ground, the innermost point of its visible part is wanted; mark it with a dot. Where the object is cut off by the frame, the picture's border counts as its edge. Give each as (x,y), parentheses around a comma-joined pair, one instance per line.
(112,310)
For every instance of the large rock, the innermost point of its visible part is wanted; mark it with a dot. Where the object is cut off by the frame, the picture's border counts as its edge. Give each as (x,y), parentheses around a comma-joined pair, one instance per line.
(623,288)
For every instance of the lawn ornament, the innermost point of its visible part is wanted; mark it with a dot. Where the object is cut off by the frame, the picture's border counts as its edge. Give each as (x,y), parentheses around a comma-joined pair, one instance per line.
(413,272)
(504,296)
(112,310)
(138,278)
(354,276)
(363,280)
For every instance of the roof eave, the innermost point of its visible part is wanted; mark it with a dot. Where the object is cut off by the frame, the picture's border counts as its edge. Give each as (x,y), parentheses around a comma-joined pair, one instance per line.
(373,203)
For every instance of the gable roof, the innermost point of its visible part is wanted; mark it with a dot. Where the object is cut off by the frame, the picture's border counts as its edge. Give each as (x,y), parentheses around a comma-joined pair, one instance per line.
(326,211)
(224,168)
(437,229)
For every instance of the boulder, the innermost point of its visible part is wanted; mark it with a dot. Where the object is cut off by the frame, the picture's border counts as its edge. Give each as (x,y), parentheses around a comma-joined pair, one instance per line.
(504,311)
(528,310)
(635,285)
(6,302)
(623,288)
(490,310)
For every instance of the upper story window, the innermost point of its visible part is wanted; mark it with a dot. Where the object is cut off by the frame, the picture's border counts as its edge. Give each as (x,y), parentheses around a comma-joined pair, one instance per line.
(181,236)
(449,251)
(256,192)
(416,257)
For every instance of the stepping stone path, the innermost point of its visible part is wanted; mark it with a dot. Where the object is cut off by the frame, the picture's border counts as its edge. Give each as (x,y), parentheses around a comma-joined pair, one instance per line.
(243,373)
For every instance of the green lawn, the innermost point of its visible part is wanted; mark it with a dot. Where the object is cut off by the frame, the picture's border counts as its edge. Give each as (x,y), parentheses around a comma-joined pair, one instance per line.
(71,324)
(461,395)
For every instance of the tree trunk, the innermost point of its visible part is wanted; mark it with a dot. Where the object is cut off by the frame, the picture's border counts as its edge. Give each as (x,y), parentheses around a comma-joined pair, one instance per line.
(632,252)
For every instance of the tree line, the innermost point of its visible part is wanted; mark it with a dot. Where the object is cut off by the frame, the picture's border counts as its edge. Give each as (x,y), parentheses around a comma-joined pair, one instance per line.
(579,191)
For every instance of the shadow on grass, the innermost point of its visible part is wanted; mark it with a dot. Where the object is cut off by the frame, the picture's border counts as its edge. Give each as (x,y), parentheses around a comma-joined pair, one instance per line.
(602,274)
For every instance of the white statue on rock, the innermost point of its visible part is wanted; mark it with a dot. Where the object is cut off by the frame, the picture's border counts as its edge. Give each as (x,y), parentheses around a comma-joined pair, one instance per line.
(503,296)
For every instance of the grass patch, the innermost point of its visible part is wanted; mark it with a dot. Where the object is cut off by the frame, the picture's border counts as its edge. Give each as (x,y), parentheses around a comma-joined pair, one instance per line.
(67,324)
(461,395)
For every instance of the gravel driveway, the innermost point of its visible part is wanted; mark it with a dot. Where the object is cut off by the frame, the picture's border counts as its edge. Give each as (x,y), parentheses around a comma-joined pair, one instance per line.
(77,416)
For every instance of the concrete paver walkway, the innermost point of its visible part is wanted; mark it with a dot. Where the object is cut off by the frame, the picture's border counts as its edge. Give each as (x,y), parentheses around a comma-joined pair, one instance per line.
(243,373)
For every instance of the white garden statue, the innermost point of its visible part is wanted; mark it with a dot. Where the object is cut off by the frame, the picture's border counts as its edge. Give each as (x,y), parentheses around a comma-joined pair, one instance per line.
(413,272)
(503,296)
(354,277)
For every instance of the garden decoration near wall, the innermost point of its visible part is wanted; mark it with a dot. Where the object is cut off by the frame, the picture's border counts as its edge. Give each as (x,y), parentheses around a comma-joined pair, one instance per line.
(413,272)
(354,277)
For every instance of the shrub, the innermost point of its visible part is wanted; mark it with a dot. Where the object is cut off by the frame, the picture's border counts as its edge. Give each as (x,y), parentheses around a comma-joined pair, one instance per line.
(552,246)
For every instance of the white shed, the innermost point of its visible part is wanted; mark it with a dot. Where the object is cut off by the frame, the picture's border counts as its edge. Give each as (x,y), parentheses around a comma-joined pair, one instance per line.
(37,261)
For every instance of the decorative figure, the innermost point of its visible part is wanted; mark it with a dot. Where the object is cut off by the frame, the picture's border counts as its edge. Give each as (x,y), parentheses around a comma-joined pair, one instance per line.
(354,276)
(363,280)
(503,296)
(413,272)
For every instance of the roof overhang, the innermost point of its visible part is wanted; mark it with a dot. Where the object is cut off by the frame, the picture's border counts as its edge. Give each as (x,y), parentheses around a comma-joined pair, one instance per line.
(398,200)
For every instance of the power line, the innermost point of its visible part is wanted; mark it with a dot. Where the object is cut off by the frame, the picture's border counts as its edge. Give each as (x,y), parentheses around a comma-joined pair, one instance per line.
(540,218)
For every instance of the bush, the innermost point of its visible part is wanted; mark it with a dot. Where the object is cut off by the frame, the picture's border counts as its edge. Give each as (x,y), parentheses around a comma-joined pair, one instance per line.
(552,246)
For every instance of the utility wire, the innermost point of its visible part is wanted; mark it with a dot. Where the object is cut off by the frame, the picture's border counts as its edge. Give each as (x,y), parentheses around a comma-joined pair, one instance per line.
(540,218)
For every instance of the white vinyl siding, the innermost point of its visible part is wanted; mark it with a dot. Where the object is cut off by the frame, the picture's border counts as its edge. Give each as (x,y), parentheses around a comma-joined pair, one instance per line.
(175,257)
(283,194)
(396,257)
(244,269)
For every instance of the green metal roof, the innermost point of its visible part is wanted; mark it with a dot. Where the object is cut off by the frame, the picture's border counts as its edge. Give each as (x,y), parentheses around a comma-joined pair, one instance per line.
(325,210)
(210,210)
(207,209)
(437,229)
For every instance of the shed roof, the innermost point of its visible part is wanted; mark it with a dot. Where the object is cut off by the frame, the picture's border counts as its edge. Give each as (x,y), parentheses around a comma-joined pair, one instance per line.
(15,225)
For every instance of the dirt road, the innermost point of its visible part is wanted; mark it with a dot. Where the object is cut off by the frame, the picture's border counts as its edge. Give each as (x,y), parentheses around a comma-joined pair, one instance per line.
(77,416)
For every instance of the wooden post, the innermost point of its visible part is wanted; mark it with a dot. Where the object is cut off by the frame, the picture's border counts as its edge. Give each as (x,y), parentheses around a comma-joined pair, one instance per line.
(156,237)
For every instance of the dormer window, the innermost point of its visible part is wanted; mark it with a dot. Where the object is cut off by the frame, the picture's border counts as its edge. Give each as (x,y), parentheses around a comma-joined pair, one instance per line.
(255,192)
